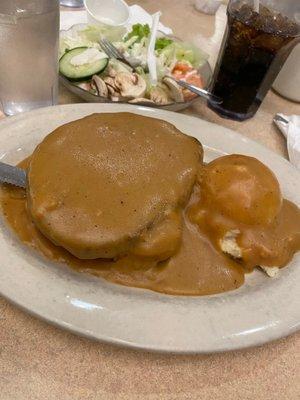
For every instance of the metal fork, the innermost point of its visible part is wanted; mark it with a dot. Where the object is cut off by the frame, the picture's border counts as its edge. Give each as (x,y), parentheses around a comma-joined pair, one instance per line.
(13,175)
(113,52)
(200,92)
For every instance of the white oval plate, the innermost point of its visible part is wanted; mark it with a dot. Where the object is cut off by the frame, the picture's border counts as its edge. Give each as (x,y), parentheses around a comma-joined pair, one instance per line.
(262,310)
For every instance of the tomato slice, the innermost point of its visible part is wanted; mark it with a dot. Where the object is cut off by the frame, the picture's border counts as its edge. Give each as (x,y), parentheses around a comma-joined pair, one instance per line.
(185,72)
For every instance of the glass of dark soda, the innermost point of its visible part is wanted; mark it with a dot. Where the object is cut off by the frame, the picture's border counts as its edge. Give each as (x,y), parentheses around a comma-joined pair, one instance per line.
(254,49)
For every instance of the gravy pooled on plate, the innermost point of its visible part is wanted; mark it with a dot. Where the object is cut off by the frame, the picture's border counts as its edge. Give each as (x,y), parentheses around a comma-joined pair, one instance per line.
(127,198)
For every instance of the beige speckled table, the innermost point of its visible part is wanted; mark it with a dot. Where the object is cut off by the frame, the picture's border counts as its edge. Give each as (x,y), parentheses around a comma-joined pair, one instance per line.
(39,361)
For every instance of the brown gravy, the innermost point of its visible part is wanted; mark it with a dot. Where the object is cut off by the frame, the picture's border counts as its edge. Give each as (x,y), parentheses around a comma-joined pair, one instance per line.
(196,269)
(239,193)
(96,184)
(178,253)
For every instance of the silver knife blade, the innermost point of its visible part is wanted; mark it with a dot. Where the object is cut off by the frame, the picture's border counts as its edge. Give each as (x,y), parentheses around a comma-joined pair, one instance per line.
(12,175)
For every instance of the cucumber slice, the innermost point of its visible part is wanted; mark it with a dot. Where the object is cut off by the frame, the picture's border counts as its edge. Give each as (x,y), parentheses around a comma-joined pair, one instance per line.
(80,72)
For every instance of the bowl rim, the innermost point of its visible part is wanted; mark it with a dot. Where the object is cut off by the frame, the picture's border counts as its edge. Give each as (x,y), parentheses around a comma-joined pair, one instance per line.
(125,5)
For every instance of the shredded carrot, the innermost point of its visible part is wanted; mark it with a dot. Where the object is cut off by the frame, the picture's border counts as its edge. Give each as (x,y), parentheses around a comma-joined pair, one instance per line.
(181,69)
(195,79)
(190,75)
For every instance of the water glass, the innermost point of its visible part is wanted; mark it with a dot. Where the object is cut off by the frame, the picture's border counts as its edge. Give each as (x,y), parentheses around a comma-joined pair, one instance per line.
(29,34)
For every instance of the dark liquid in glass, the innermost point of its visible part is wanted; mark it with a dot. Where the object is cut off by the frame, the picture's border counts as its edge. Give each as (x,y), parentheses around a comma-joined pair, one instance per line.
(254,48)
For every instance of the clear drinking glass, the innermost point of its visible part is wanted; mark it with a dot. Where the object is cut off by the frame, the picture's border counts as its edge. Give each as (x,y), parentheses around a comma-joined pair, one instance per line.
(254,49)
(29,34)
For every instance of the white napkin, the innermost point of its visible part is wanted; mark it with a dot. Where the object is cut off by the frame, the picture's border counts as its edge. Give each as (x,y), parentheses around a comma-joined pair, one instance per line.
(212,44)
(137,15)
(291,130)
(70,18)
(207,6)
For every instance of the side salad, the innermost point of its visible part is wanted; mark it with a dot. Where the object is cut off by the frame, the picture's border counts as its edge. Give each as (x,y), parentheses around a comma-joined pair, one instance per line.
(85,64)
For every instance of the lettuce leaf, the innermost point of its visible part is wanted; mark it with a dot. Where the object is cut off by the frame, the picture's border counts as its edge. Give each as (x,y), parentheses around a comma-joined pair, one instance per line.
(82,35)
(182,51)
(161,43)
(93,33)
(138,30)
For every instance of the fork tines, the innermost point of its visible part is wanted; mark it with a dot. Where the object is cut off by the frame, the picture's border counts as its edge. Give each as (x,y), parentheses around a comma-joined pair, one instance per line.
(110,49)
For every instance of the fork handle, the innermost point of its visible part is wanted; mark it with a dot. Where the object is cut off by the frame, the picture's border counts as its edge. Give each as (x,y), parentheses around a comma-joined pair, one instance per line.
(200,92)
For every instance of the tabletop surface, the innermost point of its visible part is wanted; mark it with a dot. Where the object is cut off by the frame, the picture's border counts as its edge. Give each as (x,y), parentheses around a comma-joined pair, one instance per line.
(39,361)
